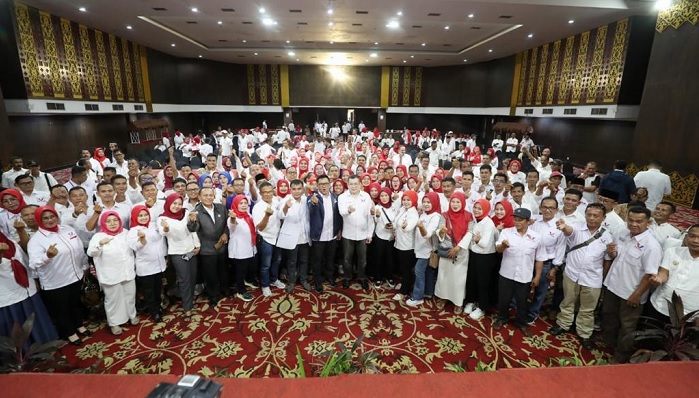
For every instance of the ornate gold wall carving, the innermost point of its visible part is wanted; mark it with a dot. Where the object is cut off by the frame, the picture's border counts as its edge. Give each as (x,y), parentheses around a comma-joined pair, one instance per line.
(532,74)
(684,189)
(616,63)
(418,86)
(27,51)
(596,65)
(252,97)
(72,59)
(126,53)
(54,71)
(395,80)
(139,72)
(566,75)
(116,67)
(522,78)
(103,68)
(682,11)
(406,85)
(542,72)
(582,73)
(553,72)
(88,64)
(274,69)
(262,70)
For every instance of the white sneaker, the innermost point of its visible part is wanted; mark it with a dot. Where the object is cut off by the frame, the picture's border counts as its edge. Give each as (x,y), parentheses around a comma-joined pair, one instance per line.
(398,297)
(266,291)
(414,303)
(477,314)
(468,308)
(279,284)
(198,289)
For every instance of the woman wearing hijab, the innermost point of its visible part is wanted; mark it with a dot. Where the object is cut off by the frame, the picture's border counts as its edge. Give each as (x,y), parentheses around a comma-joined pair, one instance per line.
(57,256)
(374,191)
(382,254)
(514,173)
(150,249)
(114,263)
(242,244)
(396,185)
(436,183)
(282,188)
(183,247)
(99,156)
(339,187)
(169,176)
(18,298)
(503,215)
(13,203)
(453,269)
(483,263)
(404,226)
(475,156)
(427,226)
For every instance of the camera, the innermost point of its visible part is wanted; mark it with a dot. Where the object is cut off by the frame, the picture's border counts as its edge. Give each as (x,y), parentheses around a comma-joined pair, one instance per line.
(190,386)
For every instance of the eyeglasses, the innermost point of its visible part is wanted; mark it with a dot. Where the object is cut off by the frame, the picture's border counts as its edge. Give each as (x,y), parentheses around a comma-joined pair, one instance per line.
(548,208)
(192,189)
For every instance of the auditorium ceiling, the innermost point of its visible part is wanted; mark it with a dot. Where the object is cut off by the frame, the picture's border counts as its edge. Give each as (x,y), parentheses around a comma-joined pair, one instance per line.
(343,32)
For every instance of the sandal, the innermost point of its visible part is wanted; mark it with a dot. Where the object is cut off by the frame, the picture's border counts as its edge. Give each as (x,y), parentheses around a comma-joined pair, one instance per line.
(187,316)
(116,330)
(458,310)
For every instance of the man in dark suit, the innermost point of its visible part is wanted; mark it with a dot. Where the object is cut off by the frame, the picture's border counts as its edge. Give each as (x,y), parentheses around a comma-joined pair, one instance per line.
(326,229)
(211,225)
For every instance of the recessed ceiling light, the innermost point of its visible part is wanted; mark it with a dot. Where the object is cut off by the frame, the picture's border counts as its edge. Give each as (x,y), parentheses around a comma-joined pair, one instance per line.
(423,44)
(530,35)
(254,54)
(172,45)
(194,9)
(404,61)
(465,60)
(245,41)
(288,41)
(297,59)
(330,23)
(373,55)
(446,27)
(392,24)
(201,56)
(376,43)
(220,22)
(470,15)
(291,53)
(268,21)
(82,9)
(330,11)
(571,21)
(262,10)
(490,51)
(332,42)
(412,56)
(129,27)
(399,13)
(663,5)
(366,60)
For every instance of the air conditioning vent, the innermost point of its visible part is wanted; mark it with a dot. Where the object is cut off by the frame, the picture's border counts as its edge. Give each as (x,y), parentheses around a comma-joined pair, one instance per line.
(570,111)
(302,23)
(296,11)
(362,12)
(598,111)
(159,9)
(505,16)
(356,24)
(138,107)
(547,111)
(55,106)
(116,107)
(529,111)
(92,107)
(228,10)
(417,26)
(247,22)
(434,14)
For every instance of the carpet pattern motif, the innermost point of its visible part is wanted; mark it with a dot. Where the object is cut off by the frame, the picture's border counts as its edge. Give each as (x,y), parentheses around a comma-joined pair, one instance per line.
(260,338)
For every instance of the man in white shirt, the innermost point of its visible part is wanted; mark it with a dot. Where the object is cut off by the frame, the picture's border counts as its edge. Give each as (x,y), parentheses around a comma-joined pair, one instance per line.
(587,262)
(8,177)
(25,184)
(434,154)
(334,131)
(523,255)
(265,149)
(225,144)
(293,235)
(267,224)
(120,165)
(612,222)
(511,146)
(291,127)
(401,158)
(497,143)
(42,181)
(655,181)
(355,207)
(665,232)
(637,256)
(281,136)
(592,181)
(526,143)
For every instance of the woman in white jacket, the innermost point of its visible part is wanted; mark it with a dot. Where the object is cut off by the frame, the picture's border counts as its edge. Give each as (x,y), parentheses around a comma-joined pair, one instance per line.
(242,244)
(404,225)
(151,250)
(57,255)
(483,263)
(182,247)
(114,263)
(427,225)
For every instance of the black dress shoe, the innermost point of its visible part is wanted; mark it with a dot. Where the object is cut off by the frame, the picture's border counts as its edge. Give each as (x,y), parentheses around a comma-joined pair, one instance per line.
(587,344)
(77,342)
(345,284)
(332,283)
(157,318)
(85,333)
(365,285)
(319,288)
(556,330)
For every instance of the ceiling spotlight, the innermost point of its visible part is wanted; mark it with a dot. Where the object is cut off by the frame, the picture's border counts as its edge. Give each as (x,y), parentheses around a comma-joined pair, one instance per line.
(330,11)
(220,22)
(262,10)
(470,15)
(194,9)
(268,21)
(332,42)
(129,27)
(399,13)
(297,59)
(446,27)
(291,53)
(392,24)
(254,54)
(404,61)
(571,21)
(490,51)
(376,43)
(245,41)
(172,45)
(373,55)
(663,5)
(288,41)
(201,56)
(423,44)
(330,23)
(412,56)
(82,9)
(465,60)
(530,35)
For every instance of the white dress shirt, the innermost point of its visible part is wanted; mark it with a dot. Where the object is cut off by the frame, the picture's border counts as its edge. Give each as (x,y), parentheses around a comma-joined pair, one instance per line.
(489,234)
(424,245)
(664,232)
(359,224)
(10,291)
(271,231)
(553,239)
(657,183)
(240,241)
(405,236)
(637,256)
(683,279)
(524,250)
(585,265)
(114,261)
(64,268)
(150,258)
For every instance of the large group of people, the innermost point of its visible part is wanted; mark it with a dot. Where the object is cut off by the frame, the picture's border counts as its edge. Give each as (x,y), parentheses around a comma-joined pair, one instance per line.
(478,229)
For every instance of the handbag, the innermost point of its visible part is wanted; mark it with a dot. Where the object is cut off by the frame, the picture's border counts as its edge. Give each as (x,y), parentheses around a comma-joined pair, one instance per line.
(90,293)
(434,260)
(448,243)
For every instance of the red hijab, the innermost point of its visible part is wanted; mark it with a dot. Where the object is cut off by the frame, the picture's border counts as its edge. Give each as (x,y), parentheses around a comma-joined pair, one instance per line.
(387,190)
(168,202)
(97,157)
(412,195)
(15,193)
(18,270)
(245,216)
(458,220)
(103,223)
(434,200)
(439,178)
(405,171)
(169,181)
(279,185)
(508,221)
(378,189)
(395,179)
(134,216)
(485,205)
(37,217)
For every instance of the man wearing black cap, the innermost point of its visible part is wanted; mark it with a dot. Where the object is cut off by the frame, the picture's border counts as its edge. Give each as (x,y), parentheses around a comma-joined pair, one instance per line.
(523,255)
(612,222)
(42,181)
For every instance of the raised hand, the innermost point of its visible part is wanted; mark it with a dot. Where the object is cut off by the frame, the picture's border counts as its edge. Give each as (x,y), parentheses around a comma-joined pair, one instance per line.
(165,225)
(193,216)
(18,224)
(98,208)
(105,241)
(561,224)
(269,211)
(51,251)
(314,199)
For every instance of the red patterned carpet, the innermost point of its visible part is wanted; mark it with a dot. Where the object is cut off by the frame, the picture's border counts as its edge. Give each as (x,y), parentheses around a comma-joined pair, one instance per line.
(684,217)
(260,338)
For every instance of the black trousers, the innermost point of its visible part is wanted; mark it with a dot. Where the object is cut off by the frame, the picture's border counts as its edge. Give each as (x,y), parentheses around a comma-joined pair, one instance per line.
(406,261)
(151,287)
(382,259)
(244,268)
(482,271)
(65,308)
(323,261)
(507,290)
(214,270)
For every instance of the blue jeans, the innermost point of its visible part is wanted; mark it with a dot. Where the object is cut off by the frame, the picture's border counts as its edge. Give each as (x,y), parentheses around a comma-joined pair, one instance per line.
(424,280)
(540,292)
(270,258)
